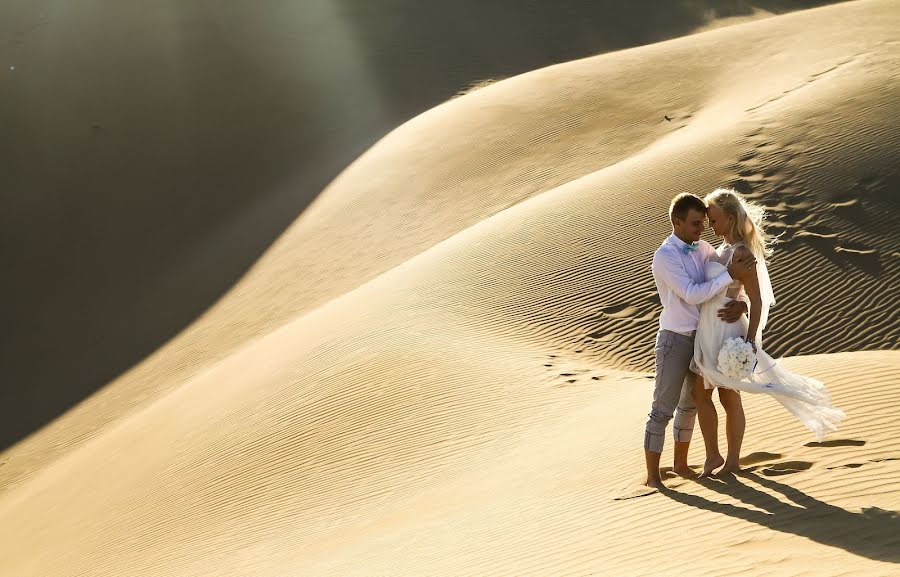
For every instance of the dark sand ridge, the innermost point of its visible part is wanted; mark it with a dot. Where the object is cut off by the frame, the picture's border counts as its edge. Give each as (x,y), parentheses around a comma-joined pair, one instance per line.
(150,154)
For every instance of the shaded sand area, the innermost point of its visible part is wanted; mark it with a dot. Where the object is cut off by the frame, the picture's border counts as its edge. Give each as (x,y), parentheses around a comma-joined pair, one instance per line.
(442,367)
(152,151)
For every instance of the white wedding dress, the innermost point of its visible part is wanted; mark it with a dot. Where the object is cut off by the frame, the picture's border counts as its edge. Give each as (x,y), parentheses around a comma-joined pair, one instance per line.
(805,397)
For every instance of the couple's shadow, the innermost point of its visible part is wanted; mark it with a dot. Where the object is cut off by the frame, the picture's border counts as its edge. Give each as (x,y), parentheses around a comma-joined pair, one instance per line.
(872,533)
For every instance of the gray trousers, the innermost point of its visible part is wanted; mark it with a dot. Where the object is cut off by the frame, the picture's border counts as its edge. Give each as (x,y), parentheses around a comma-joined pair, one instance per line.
(672,393)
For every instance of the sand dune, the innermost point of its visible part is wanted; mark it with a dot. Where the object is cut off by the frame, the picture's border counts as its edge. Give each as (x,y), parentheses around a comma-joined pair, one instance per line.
(152,151)
(442,366)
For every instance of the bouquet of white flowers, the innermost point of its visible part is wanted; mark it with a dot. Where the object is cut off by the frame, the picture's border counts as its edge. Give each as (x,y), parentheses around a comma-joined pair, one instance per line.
(736,359)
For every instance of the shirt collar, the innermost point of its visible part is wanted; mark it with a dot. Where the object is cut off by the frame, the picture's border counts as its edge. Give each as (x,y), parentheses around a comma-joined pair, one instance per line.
(680,244)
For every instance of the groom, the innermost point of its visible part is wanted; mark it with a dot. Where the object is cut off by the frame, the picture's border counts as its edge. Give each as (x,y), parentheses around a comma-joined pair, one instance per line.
(678,269)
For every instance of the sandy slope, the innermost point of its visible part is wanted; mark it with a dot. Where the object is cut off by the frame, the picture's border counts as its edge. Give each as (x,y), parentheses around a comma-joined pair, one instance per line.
(477,404)
(151,152)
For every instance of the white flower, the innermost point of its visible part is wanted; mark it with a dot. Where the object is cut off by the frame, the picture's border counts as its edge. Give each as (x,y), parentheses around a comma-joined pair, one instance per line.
(736,358)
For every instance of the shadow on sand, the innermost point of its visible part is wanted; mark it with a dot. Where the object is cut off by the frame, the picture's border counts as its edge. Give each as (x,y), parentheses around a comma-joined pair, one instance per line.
(873,533)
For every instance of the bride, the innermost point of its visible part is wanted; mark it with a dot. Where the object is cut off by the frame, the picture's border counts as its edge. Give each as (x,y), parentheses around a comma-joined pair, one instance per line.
(741,224)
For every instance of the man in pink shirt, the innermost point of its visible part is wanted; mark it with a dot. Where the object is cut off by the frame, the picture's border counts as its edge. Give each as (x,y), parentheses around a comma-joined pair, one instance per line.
(678,269)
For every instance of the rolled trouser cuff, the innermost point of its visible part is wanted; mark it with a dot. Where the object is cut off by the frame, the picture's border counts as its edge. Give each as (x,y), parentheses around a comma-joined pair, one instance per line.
(653,442)
(683,424)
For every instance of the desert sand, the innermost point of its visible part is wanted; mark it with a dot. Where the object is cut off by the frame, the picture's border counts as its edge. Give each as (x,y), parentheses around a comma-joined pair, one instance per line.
(151,152)
(444,365)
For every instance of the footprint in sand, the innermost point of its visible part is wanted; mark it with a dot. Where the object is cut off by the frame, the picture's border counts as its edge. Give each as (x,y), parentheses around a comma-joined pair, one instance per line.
(635,492)
(576,373)
(750,154)
(565,384)
(824,73)
(751,176)
(620,311)
(605,338)
(850,208)
(868,184)
(671,479)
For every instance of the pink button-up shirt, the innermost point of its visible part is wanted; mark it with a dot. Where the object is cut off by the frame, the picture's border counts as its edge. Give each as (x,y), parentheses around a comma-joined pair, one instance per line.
(680,280)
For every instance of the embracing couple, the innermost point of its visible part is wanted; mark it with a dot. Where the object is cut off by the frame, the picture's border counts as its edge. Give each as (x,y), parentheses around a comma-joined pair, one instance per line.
(710,296)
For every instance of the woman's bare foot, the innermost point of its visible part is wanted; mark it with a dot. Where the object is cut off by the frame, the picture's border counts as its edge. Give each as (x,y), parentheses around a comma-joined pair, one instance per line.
(711,464)
(729,469)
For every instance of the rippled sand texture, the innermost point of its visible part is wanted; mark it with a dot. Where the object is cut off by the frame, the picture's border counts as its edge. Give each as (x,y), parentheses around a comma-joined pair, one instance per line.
(443,366)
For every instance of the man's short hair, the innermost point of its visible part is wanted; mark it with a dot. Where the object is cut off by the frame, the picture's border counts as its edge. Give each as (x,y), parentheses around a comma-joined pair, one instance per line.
(683,203)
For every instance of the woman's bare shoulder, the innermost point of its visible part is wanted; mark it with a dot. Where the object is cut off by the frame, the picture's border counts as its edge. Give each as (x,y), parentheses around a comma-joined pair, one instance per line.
(742,250)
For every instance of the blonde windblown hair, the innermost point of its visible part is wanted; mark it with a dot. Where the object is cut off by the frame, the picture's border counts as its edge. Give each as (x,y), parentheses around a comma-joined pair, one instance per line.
(748,222)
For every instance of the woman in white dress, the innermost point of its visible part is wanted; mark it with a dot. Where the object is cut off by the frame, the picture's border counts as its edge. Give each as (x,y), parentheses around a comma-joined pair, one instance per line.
(741,224)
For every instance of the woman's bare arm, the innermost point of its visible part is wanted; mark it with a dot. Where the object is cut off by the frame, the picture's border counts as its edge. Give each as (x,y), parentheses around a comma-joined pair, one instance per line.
(751,287)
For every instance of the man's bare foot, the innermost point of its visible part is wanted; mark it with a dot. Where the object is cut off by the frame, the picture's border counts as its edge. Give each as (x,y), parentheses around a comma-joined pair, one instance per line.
(655,483)
(684,471)
(711,464)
